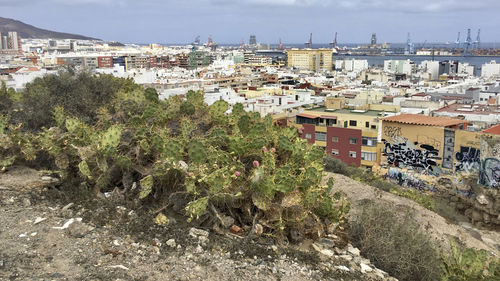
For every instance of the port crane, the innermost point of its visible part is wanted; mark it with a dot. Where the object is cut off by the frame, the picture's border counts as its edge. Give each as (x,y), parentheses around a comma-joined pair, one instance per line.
(458,40)
(280,45)
(310,42)
(477,43)
(334,43)
(468,44)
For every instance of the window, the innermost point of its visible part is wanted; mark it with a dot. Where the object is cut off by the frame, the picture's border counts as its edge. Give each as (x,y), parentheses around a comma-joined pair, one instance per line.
(319,136)
(353,140)
(369,141)
(353,123)
(367,124)
(308,136)
(345,124)
(304,120)
(335,152)
(352,154)
(369,156)
(374,126)
(335,139)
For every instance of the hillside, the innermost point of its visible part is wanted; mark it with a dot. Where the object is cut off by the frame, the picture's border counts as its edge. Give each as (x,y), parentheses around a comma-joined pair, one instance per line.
(29,31)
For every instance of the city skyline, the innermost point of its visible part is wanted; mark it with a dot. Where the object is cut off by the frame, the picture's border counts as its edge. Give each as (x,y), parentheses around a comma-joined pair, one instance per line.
(230,22)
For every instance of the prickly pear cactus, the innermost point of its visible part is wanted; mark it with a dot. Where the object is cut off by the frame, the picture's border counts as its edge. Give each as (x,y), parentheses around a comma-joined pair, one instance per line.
(59,116)
(173,150)
(111,138)
(197,152)
(84,169)
(244,124)
(146,186)
(72,124)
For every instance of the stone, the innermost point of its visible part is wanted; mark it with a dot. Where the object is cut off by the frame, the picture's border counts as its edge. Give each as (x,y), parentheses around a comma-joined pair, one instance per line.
(342,268)
(365,268)
(26,202)
(476,216)
(227,221)
(79,230)
(353,250)
(258,230)
(195,232)
(327,242)
(482,199)
(327,252)
(171,243)
(236,230)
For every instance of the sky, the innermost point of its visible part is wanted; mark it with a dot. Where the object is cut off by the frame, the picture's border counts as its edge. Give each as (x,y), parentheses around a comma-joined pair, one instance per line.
(231,21)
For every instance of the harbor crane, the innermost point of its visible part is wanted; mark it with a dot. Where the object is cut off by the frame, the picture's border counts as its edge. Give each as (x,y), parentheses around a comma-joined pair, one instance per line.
(334,43)
(458,41)
(310,42)
(468,44)
(477,43)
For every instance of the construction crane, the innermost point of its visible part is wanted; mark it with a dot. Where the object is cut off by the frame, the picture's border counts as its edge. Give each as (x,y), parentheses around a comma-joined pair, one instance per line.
(310,42)
(458,40)
(334,43)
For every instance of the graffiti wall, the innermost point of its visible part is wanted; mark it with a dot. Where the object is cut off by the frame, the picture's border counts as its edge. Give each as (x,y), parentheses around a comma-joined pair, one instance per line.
(420,157)
(468,160)
(489,172)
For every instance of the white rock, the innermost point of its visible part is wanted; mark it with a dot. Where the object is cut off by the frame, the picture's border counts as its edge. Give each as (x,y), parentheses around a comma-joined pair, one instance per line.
(39,220)
(365,268)
(171,243)
(67,223)
(482,199)
(343,268)
(327,252)
(195,232)
(353,250)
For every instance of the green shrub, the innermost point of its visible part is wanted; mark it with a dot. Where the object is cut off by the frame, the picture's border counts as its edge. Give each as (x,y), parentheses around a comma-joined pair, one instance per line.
(470,264)
(394,243)
(265,175)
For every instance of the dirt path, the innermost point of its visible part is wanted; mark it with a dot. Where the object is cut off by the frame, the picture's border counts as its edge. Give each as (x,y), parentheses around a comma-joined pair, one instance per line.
(438,227)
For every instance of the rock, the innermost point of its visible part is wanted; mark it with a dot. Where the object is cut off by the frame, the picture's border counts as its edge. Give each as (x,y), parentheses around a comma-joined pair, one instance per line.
(183,165)
(39,220)
(353,250)
(195,232)
(327,242)
(342,268)
(258,229)
(476,216)
(2,263)
(49,179)
(482,199)
(236,229)
(316,247)
(332,227)
(227,221)
(79,230)
(346,257)
(26,202)
(171,243)
(156,242)
(327,252)
(365,268)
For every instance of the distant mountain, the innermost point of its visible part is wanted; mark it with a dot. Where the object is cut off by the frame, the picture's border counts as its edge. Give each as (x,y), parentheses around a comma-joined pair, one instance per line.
(29,31)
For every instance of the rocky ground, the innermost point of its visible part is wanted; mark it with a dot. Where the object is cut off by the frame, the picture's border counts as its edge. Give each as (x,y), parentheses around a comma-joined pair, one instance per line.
(46,235)
(435,225)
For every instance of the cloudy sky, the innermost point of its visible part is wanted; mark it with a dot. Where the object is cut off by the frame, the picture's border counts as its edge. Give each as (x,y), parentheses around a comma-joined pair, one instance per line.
(230,21)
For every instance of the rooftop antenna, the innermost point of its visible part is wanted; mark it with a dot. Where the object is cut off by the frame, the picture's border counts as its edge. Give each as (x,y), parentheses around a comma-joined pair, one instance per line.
(309,43)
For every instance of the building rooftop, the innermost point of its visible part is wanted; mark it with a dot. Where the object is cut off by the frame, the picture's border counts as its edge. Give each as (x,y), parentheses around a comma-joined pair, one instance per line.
(348,111)
(464,109)
(416,119)
(495,130)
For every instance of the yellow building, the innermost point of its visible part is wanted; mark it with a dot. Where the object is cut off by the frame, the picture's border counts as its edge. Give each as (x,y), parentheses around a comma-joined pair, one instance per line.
(311,59)
(430,145)
(349,135)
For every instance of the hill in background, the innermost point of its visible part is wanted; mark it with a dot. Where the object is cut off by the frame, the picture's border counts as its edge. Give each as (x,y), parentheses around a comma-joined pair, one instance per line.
(29,31)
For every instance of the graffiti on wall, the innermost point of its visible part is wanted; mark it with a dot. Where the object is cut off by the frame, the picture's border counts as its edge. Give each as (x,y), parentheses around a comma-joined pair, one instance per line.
(468,160)
(392,132)
(489,174)
(402,154)
(409,180)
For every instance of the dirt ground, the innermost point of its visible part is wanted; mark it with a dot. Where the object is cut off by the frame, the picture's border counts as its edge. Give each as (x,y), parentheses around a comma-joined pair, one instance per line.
(47,234)
(435,225)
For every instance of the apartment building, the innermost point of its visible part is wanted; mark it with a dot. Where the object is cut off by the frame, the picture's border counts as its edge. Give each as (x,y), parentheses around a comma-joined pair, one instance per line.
(311,59)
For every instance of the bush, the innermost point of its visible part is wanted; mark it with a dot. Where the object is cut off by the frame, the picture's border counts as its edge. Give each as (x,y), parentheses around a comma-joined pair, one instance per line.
(263,175)
(395,244)
(80,94)
(470,264)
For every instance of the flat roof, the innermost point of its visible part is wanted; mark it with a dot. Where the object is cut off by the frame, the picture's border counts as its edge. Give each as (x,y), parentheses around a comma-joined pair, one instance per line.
(416,119)
(347,111)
